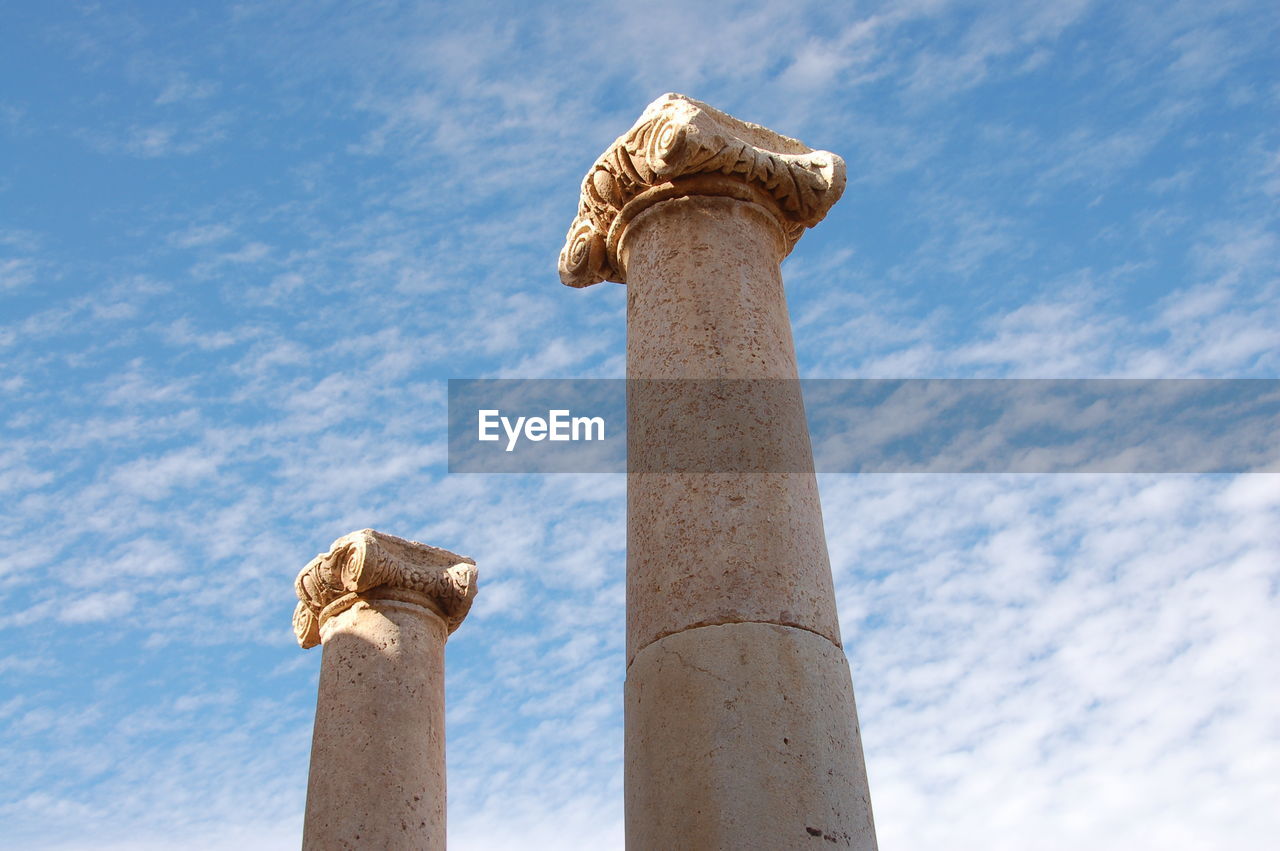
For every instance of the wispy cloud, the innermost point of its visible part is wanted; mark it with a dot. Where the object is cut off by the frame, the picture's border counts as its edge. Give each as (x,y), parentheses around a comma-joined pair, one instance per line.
(182,88)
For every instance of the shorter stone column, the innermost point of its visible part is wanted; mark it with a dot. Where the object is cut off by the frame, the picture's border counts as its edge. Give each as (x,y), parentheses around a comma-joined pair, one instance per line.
(383,608)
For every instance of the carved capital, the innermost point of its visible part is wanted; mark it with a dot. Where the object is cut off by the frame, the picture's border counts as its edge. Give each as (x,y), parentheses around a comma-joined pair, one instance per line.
(371,564)
(683,147)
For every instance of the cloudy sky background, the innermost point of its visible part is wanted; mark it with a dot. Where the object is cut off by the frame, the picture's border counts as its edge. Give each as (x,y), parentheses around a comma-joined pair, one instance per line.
(243,246)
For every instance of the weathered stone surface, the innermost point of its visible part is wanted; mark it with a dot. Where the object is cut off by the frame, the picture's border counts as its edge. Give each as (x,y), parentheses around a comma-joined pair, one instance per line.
(377,755)
(366,559)
(744,736)
(681,146)
(383,608)
(733,644)
(705,300)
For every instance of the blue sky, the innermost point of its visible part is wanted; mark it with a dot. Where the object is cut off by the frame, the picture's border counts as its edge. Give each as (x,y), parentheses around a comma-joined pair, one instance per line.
(242,247)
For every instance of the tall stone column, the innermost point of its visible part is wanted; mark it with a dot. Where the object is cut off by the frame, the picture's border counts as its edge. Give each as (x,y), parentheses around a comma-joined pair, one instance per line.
(741,729)
(383,608)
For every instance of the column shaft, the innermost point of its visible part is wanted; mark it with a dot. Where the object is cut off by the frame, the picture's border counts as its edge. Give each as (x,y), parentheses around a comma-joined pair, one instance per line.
(741,729)
(377,757)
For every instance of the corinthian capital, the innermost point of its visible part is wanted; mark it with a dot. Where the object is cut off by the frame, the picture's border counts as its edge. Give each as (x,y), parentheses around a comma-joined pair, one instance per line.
(683,147)
(370,563)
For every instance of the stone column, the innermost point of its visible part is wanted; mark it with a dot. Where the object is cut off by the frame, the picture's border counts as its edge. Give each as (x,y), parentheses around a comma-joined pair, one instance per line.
(741,729)
(383,608)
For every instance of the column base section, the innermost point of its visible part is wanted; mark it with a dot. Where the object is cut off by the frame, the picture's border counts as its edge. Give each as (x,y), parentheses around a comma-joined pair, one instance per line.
(744,736)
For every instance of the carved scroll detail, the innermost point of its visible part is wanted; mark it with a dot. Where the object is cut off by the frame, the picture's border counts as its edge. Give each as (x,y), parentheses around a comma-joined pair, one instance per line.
(366,560)
(677,137)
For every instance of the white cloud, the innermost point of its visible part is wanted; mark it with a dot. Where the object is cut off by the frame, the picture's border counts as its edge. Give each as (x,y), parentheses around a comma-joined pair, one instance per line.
(182,88)
(16,272)
(96,607)
(1103,642)
(201,235)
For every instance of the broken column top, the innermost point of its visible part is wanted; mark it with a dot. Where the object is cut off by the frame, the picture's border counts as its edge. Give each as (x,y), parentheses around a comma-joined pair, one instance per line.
(373,563)
(681,146)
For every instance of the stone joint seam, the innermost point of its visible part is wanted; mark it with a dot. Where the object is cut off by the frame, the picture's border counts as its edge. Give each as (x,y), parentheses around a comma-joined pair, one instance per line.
(705,624)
